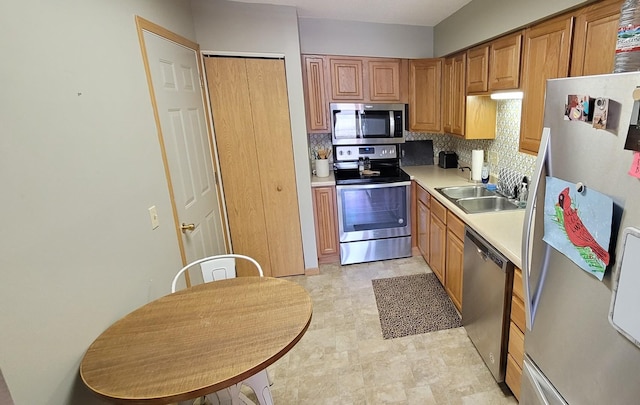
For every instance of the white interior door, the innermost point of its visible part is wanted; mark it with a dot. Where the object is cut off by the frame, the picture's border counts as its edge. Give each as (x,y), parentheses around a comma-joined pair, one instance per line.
(181,116)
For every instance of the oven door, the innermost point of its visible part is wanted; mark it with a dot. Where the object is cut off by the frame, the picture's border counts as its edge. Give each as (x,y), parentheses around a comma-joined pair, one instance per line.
(374,211)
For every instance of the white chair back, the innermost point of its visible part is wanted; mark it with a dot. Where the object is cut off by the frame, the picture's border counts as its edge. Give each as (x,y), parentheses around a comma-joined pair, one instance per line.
(217,267)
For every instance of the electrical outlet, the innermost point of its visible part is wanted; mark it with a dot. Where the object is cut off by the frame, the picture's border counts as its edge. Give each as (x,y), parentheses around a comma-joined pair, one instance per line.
(493,158)
(153,213)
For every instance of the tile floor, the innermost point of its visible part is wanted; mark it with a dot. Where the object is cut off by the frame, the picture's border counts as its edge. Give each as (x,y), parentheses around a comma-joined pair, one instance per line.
(343,359)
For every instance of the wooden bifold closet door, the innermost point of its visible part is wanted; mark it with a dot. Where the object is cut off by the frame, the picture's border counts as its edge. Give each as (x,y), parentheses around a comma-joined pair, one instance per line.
(253,136)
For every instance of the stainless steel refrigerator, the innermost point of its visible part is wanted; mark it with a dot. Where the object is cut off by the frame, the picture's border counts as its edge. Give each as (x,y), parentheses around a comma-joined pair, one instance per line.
(573,352)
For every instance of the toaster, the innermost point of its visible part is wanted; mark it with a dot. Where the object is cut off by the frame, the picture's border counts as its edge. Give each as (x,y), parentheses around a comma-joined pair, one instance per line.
(447,159)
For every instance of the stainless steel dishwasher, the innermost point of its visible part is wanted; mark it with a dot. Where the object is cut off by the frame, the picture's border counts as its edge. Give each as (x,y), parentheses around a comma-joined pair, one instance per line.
(486,301)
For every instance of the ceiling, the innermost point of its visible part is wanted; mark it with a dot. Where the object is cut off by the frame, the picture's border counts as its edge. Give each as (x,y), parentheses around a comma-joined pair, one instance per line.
(407,12)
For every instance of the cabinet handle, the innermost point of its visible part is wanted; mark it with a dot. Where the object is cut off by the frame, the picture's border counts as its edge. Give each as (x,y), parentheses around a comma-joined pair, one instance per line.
(279,188)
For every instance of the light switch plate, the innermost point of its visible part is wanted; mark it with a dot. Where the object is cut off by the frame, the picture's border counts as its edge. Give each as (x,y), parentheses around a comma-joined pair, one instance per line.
(153,213)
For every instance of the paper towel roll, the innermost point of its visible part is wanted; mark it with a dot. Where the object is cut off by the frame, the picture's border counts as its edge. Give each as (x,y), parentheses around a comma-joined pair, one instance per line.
(477,159)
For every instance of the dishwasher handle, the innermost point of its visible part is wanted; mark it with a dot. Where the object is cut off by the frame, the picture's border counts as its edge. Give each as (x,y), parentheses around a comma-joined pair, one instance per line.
(485,250)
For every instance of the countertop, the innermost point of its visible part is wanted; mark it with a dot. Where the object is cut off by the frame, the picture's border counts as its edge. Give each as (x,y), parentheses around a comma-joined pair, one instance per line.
(503,230)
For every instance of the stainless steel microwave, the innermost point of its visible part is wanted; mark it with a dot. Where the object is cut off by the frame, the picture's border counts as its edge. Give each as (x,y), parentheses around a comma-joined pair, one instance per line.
(361,124)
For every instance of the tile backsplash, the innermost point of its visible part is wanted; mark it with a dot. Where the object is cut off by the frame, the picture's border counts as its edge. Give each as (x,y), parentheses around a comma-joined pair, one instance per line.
(504,146)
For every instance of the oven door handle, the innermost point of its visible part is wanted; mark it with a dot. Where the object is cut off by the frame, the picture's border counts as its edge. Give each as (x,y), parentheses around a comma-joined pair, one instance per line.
(374,185)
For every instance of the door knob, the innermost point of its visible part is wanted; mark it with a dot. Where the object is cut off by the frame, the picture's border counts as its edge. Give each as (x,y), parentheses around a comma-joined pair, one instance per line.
(187,227)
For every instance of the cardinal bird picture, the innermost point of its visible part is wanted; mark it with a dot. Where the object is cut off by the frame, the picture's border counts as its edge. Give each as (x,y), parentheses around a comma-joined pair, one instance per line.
(577,232)
(578,224)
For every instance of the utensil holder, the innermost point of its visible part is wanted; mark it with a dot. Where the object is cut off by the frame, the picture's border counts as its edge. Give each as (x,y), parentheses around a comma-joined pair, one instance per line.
(322,167)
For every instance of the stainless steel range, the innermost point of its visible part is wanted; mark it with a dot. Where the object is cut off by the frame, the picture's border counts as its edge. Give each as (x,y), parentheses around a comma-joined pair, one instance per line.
(374,203)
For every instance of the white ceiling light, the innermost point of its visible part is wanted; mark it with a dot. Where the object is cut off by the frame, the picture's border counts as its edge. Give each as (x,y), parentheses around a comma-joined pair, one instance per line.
(507,95)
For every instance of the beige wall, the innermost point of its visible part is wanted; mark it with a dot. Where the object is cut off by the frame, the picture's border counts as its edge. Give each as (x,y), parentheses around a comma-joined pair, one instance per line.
(222,27)
(334,37)
(480,20)
(79,166)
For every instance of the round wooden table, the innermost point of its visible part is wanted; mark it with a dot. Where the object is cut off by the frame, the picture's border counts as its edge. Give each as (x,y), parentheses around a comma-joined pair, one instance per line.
(197,341)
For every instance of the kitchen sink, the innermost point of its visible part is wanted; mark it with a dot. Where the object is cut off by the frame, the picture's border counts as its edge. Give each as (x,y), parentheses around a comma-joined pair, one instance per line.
(475,199)
(486,204)
(465,192)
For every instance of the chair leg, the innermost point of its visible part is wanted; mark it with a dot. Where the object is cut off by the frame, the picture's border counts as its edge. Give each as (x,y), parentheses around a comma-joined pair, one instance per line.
(259,383)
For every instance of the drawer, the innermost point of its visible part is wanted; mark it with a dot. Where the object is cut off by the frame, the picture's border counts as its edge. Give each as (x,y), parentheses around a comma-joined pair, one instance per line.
(423,195)
(439,210)
(517,313)
(513,376)
(455,225)
(516,344)
(518,289)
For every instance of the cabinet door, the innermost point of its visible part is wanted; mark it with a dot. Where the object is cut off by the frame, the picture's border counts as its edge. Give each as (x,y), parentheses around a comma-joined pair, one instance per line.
(424,95)
(594,39)
(453,279)
(546,56)
(437,246)
(504,62)
(424,219)
(326,219)
(384,79)
(316,102)
(478,69)
(458,94)
(447,95)
(346,79)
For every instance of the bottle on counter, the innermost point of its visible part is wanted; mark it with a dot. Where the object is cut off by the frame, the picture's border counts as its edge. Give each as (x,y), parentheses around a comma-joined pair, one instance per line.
(485,173)
(360,165)
(523,195)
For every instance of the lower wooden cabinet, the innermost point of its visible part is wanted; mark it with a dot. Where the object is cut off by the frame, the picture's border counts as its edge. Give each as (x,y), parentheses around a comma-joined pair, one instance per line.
(423,218)
(517,327)
(438,239)
(454,259)
(325,215)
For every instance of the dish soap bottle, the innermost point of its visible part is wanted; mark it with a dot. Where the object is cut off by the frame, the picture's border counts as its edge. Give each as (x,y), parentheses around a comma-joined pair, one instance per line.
(485,173)
(524,194)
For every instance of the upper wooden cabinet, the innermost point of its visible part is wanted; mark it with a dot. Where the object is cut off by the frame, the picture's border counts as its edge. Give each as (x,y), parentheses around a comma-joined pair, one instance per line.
(471,117)
(368,79)
(547,48)
(315,93)
(494,66)
(594,38)
(425,76)
(387,79)
(330,78)
(346,79)
(478,69)
(504,62)
(454,95)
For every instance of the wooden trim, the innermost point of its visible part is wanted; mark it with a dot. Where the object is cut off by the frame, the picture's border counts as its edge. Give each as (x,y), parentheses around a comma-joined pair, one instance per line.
(313,271)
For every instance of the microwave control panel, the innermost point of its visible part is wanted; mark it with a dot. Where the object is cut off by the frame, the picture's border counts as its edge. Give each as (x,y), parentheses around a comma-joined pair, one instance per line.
(344,153)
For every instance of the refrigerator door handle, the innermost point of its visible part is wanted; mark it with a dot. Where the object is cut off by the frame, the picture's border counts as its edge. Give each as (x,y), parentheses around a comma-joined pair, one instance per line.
(531,299)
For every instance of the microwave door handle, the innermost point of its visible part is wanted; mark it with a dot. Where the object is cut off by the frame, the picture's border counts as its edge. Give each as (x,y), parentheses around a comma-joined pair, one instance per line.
(392,123)
(359,129)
